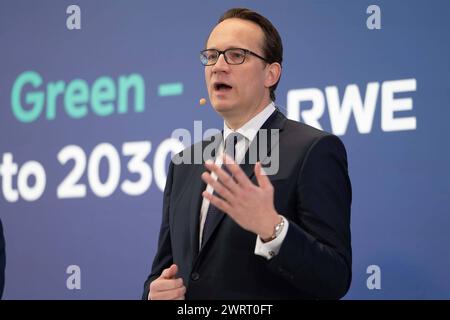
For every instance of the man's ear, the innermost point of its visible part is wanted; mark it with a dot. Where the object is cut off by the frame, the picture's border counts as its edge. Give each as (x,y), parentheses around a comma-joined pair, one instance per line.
(273,74)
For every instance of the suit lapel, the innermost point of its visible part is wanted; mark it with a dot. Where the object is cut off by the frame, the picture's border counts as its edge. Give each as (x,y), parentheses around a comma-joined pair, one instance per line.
(267,139)
(197,186)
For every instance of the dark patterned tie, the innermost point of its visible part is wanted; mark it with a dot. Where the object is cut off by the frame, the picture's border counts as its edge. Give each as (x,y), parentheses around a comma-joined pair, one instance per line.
(213,214)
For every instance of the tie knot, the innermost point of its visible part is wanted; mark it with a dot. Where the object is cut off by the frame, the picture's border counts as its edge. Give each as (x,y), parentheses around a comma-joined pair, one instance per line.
(230,143)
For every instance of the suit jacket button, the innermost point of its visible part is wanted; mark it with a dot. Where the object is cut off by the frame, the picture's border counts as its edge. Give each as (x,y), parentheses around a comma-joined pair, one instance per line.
(195,276)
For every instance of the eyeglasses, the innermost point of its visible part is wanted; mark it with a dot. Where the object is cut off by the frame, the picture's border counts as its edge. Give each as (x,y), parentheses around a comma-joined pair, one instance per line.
(232,56)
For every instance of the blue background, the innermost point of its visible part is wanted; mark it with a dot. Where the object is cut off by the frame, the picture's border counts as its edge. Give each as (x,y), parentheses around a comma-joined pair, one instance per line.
(401,180)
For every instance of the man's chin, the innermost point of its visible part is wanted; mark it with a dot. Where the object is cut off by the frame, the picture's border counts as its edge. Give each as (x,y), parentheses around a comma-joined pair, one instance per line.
(222,107)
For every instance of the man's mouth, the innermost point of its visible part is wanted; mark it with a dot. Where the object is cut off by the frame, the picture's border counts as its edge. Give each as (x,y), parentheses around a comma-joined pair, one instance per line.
(222,87)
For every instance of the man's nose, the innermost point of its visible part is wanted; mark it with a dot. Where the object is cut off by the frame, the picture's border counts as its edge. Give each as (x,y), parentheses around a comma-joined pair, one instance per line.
(221,64)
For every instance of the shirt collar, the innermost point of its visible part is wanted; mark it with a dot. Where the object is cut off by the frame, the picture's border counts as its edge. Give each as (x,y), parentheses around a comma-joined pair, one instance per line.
(251,127)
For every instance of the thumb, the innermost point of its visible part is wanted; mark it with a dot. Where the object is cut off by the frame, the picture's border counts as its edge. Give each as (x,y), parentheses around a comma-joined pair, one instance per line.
(170,273)
(261,177)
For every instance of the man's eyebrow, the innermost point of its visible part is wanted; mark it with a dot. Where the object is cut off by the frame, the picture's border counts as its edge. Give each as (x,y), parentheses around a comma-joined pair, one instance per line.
(229,47)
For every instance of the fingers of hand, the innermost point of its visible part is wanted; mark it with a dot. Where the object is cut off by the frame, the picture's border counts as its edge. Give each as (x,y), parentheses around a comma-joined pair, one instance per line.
(170,272)
(165,289)
(173,294)
(261,177)
(166,284)
(217,186)
(225,179)
(217,202)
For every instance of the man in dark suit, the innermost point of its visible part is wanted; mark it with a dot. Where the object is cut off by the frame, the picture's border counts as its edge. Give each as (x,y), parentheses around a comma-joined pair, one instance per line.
(231,231)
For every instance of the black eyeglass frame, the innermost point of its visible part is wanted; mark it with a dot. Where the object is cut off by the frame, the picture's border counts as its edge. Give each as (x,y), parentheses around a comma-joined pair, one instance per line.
(245,52)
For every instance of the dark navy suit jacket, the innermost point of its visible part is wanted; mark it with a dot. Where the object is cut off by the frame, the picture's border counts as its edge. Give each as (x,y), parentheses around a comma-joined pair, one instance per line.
(312,190)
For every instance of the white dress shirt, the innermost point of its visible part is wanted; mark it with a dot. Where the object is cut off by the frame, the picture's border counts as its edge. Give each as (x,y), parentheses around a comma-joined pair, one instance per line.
(249,131)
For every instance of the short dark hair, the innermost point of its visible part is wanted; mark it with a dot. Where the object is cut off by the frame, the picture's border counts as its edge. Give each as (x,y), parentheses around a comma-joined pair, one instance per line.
(272,46)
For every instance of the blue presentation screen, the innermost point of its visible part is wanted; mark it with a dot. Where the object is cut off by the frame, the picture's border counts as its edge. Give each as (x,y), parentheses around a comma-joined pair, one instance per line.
(91,93)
